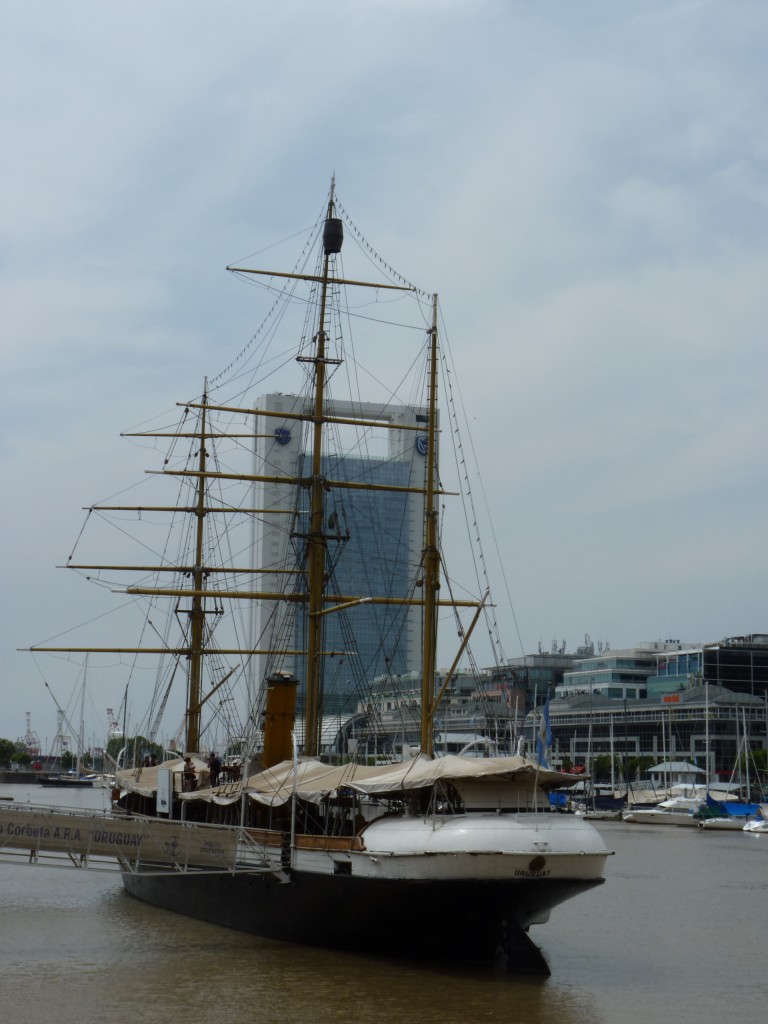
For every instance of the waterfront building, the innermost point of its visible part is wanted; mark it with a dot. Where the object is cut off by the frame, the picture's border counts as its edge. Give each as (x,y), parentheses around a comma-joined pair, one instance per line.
(486,707)
(481,711)
(707,726)
(539,675)
(621,674)
(738,663)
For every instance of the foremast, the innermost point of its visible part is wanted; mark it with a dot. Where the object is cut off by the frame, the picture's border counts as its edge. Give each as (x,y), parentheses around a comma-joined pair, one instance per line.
(197,608)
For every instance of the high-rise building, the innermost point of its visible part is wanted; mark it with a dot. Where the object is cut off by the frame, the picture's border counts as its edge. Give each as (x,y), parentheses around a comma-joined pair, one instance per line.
(371,639)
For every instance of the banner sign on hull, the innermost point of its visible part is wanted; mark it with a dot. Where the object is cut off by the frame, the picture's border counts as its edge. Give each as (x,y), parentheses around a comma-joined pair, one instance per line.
(133,839)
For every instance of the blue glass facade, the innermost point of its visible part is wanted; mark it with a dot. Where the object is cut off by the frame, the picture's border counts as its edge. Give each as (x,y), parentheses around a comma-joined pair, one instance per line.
(370,553)
(740,664)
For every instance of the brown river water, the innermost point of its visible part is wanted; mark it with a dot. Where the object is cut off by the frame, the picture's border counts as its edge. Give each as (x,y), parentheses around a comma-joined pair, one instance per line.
(678,934)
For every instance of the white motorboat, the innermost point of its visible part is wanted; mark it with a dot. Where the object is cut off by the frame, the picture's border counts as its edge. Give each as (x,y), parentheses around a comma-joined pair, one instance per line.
(678,810)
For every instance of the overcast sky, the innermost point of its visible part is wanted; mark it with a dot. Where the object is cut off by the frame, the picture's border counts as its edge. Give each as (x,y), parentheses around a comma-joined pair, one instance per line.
(584,183)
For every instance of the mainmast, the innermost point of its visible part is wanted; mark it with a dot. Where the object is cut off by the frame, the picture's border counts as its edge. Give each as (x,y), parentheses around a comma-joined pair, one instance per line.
(197,609)
(333,235)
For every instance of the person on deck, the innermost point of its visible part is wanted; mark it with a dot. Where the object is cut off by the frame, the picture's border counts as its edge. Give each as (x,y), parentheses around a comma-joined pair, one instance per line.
(214,767)
(190,776)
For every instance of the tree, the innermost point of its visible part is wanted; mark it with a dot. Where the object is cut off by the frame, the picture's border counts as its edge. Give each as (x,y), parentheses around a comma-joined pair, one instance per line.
(7,750)
(114,746)
(636,767)
(601,767)
(759,759)
(136,748)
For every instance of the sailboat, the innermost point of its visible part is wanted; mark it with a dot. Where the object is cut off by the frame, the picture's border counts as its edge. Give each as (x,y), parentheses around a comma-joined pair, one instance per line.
(447,857)
(74,779)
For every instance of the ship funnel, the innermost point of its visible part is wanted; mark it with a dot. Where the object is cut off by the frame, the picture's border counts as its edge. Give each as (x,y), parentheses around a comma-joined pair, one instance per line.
(333,235)
(279,718)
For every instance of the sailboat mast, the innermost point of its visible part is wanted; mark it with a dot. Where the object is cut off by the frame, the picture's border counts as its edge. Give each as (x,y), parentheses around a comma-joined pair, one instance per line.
(706,731)
(197,611)
(316,543)
(81,736)
(431,556)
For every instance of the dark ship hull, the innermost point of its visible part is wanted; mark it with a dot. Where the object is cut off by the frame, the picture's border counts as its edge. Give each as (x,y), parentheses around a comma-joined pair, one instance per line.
(472,922)
(61,782)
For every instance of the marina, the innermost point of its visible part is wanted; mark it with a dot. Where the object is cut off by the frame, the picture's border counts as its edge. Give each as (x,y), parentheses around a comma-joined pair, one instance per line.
(676,934)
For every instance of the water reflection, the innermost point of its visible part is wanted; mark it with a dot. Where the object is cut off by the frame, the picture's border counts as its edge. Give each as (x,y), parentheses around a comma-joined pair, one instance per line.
(84,945)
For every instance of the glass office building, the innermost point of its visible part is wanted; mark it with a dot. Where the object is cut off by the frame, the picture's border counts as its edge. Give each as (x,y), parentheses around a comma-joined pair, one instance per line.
(617,674)
(374,539)
(738,663)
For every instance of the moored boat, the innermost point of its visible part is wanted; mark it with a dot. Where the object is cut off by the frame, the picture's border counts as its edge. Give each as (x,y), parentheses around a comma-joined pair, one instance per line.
(678,810)
(446,857)
(759,823)
(67,780)
(728,815)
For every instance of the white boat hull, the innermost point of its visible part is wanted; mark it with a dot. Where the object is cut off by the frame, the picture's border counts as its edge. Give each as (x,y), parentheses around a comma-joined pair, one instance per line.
(723,824)
(661,817)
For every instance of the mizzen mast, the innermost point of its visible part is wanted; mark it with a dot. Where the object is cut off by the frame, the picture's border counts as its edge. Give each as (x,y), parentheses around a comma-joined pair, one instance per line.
(431,555)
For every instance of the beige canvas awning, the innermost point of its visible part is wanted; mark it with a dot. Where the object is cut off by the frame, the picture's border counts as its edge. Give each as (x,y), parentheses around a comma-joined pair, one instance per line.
(422,772)
(315,781)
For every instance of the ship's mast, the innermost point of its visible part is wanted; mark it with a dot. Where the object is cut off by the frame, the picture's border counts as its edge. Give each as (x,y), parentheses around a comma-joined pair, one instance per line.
(316,540)
(197,609)
(431,555)
(315,599)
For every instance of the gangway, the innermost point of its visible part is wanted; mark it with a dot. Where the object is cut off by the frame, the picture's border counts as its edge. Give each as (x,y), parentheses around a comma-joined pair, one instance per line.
(108,841)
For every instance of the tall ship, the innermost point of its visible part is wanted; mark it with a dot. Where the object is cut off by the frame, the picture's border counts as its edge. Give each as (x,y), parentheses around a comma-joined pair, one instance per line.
(302,568)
